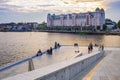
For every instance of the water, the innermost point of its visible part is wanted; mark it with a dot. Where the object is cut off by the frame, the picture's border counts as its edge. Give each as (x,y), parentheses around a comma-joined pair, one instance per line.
(16,45)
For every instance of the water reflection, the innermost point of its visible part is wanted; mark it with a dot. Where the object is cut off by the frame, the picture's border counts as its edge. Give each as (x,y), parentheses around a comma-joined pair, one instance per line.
(14,46)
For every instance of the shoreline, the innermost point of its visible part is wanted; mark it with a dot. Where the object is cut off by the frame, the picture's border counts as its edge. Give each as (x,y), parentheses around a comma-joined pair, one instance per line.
(84,32)
(73,32)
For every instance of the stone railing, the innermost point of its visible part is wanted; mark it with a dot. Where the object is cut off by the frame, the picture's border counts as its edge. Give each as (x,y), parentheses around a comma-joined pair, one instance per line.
(65,70)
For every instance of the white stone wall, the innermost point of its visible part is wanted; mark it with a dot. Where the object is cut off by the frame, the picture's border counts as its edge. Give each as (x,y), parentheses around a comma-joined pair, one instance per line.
(70,72)
(78,22)
(57,23)
(69,23)
(66,70)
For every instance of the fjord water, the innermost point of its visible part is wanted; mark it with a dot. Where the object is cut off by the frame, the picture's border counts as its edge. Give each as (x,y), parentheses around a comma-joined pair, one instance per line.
(17,45)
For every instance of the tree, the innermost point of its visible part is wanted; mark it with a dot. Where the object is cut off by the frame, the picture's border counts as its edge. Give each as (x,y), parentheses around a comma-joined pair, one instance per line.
(98,27)
(118,24)
(104,27)
(42,26)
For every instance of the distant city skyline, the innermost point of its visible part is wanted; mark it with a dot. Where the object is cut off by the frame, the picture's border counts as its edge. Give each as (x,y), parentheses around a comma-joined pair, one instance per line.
(37,10)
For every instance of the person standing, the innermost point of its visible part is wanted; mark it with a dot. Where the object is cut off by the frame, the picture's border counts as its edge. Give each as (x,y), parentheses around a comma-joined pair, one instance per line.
(55,46)
(90,47)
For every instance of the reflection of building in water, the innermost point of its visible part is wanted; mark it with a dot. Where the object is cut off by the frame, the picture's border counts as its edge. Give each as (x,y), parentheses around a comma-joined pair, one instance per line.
(96,18)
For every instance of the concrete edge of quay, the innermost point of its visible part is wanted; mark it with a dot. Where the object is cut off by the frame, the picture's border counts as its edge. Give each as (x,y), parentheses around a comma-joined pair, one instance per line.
(65,70)
(81,32)
(73,32)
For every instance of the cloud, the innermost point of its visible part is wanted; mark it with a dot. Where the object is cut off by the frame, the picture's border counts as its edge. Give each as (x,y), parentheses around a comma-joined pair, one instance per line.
(78,1)
(48,5)
(24,5)
(9,8)
(62,6)
(115,4)
(2,10)
(3,1)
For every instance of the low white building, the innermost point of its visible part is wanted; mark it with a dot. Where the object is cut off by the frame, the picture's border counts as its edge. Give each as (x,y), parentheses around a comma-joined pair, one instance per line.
(96,18)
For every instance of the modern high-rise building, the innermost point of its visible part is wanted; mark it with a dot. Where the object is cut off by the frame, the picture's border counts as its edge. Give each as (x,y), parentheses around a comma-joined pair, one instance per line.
(96,18)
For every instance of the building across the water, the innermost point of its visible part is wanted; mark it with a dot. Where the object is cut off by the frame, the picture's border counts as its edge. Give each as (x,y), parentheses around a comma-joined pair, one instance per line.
(96,18)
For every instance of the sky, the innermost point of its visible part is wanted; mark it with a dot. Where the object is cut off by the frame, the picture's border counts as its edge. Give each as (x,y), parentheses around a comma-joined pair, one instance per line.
(37,10)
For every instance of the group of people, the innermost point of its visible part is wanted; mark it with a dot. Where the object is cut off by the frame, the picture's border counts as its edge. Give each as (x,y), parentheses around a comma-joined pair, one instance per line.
(56,45)
(102,47)
(90,47)
(49,51)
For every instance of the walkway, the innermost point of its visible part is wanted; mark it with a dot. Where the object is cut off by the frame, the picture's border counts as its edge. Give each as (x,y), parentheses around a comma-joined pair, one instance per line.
(107,69)
(59,55)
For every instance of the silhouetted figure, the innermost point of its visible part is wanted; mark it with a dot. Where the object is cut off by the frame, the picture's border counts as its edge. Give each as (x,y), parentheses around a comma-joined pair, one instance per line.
(96,45)
(102,47)
(90,47)
(49,51)
(58,45)
(75,44)
(77,51)
(39,52)
(55,45)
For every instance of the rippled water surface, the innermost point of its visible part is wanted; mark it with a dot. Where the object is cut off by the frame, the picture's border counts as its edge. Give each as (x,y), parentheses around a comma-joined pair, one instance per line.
(16,45)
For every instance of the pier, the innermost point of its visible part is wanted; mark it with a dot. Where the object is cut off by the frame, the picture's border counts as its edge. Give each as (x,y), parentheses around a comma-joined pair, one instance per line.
(108,68)
(65,70)
(65,52)
(93,66)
